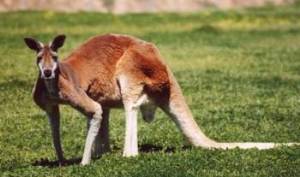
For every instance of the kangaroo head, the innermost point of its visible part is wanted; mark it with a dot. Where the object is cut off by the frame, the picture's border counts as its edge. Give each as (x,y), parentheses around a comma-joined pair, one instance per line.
(47,58)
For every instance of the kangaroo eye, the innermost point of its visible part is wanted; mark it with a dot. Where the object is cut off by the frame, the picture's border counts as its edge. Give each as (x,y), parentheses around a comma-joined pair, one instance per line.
(54,58)
(39,58)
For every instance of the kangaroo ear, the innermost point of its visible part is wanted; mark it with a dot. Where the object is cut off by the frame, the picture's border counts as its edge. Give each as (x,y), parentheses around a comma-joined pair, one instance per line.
(33,44)
(58,42)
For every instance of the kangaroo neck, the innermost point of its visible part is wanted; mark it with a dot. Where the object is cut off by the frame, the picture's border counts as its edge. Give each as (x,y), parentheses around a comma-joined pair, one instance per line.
(52,84)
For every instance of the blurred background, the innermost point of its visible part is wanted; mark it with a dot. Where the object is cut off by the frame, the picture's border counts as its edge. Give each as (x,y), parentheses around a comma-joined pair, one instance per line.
(123,6)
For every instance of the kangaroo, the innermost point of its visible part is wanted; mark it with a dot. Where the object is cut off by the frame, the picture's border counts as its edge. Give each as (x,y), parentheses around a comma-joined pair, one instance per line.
(113,71)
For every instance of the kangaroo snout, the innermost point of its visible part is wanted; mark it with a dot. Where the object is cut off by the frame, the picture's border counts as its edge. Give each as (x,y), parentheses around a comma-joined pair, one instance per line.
(47,73)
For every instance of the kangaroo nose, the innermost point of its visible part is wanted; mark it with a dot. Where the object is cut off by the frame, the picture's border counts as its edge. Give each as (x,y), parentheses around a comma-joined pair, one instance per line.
(47,72)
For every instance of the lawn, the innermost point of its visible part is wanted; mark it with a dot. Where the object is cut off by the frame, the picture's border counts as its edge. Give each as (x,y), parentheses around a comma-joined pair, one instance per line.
(239,71)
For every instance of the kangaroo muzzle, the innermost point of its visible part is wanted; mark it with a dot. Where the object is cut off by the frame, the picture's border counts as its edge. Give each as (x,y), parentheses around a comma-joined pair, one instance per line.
(48,72)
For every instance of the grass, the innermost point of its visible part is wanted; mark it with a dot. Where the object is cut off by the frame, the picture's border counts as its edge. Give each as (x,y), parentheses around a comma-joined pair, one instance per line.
(239,71)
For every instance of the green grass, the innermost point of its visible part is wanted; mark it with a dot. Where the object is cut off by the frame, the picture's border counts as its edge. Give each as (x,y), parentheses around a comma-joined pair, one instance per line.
(239,71)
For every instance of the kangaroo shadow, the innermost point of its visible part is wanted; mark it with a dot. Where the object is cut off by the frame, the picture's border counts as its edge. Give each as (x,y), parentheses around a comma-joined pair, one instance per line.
(55,163)
(144,148)
(150,148)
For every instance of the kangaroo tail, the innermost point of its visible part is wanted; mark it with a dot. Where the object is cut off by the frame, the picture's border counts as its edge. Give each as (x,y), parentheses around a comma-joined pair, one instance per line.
(178,110)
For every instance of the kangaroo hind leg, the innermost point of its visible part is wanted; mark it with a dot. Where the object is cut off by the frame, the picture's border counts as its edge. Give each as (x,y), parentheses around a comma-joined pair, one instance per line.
(101,144)
(132,98)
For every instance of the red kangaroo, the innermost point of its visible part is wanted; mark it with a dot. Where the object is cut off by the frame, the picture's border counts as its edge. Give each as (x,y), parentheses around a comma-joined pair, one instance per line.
(112,71)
